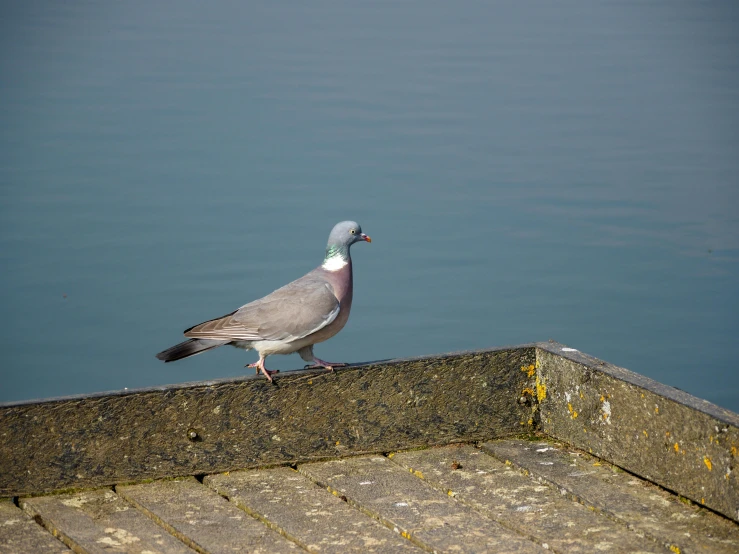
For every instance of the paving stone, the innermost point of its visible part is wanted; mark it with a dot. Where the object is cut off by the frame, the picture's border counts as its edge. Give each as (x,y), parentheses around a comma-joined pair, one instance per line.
(102,522)
(639,504)
(20,534)
(203,519)
(404,502)
(307,513)
(519,502)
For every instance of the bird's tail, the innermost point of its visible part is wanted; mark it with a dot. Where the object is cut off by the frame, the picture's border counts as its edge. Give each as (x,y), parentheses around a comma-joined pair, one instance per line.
(189,348)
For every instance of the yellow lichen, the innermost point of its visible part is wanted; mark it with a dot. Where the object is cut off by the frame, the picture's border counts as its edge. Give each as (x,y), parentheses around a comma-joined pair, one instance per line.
(541,390)
(596,463)
(538,365)
(656,409)
(405,535)
(531,421)
(675,548)
(733,451)
(572,411)
(645,433)
(676,447)
(416,473)
(707,461)
(528,369)
(667,434)
(602,398)
(527,390)
(582,395)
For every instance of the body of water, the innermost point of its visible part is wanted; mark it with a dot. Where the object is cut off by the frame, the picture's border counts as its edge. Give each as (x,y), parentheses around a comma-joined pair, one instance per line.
(527,171)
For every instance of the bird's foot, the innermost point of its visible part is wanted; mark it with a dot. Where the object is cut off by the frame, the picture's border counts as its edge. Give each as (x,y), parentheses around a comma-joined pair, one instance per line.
(259,366)
(318,364)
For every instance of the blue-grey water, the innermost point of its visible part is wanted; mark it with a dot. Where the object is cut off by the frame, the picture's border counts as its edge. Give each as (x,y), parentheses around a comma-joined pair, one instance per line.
(526,170)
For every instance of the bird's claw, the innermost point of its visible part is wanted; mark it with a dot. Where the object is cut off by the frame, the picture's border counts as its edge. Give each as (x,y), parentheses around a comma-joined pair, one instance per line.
(259,366)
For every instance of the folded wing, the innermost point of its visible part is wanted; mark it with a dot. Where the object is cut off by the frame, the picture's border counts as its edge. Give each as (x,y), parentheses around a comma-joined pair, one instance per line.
(290,313)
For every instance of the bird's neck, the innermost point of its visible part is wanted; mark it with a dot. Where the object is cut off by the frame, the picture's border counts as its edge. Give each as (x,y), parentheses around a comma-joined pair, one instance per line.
(337,257)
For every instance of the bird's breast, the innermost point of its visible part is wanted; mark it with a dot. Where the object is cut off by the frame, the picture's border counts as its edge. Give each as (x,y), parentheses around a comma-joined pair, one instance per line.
(342,284)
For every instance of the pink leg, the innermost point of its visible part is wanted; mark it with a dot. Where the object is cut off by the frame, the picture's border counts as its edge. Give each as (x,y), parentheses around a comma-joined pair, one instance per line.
(259,365)
(318,363)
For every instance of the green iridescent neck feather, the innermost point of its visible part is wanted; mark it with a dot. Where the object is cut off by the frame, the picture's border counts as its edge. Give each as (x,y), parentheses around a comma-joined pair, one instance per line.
(337,257)
(337,250)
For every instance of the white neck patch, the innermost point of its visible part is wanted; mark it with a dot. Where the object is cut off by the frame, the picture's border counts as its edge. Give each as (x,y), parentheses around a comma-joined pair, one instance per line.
(334,263)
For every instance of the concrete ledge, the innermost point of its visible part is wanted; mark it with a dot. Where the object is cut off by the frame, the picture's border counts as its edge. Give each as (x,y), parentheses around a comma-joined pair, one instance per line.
(663,434)
(198,428)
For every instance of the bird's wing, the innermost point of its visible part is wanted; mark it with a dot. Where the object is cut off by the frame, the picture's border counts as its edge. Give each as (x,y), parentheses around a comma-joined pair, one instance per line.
(290,313)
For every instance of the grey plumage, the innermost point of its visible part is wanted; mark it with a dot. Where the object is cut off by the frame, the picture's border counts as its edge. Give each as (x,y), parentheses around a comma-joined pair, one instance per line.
(291,319)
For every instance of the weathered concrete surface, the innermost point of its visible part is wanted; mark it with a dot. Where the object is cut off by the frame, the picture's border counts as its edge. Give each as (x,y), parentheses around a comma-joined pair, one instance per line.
(19,534)
(453,499)
(401,501)
(225,425)
(636,503)
(101,522)
(663,434)
(202,519)
(311,516)
(519,502)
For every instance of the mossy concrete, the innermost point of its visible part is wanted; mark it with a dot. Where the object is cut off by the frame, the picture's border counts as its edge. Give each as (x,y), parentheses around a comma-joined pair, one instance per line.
(639,505)
(506,495)
(309,515)
(660,433)
(519,502)
(403,502)
(224,425)
(99,522)
(20,534)
(203,519)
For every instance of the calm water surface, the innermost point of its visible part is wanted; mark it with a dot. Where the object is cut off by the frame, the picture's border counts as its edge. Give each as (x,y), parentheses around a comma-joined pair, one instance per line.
(562,170)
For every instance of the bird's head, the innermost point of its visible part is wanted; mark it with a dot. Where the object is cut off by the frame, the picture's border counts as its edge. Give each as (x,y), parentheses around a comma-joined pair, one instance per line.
(342,236)
(346,233)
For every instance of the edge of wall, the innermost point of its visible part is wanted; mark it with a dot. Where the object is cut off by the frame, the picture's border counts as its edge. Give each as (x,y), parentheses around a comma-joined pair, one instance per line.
(681,442)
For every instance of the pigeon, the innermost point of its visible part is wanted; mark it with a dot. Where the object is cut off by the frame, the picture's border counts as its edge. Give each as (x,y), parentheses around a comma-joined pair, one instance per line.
(293,318)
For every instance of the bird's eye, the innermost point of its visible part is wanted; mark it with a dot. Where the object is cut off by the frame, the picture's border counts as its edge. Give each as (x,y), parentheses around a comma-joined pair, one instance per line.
(353,232)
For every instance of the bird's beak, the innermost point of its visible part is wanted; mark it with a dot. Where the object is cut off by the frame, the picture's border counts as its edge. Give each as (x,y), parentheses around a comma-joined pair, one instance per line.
(364,237)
